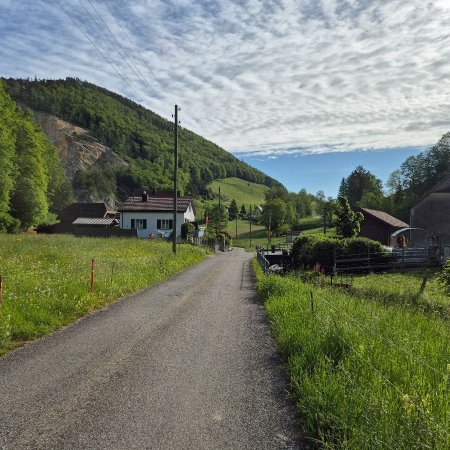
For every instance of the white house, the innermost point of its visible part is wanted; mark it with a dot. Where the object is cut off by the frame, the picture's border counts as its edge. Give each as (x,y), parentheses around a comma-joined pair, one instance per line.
(153,213)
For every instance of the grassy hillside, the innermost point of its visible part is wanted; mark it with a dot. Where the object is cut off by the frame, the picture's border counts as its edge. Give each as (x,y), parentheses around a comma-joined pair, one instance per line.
(47,278)
(139,136)
(244,192)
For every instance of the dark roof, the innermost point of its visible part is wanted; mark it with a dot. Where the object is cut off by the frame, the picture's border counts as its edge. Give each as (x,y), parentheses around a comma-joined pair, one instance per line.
(75,210)
(95,221)
(385,217)
(155,204)
(441,188)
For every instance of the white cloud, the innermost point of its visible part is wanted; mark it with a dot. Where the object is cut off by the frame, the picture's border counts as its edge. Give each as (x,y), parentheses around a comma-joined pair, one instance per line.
(257,76)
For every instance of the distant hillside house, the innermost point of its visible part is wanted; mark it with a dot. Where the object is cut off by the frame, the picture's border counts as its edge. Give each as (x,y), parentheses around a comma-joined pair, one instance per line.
(257,212)
(153,213)
(432,213)
(379,225)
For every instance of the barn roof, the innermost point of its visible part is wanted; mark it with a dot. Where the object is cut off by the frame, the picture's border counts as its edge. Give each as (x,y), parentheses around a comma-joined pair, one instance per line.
(441,188)
(156,204)
(75,210)
(385,217)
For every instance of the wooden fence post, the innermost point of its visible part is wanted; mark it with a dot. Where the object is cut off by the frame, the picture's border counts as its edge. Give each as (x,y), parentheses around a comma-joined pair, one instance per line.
(334,260)
(1,290)
(91,290)
(312,301)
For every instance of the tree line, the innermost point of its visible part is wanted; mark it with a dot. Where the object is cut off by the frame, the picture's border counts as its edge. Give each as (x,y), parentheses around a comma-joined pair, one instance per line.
(32,179)
(283,210)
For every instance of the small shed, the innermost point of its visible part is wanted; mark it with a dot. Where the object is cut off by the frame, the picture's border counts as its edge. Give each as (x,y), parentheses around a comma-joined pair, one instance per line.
(379,225)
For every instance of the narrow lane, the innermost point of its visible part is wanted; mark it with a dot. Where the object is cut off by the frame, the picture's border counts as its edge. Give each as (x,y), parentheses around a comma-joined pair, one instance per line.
(186,364)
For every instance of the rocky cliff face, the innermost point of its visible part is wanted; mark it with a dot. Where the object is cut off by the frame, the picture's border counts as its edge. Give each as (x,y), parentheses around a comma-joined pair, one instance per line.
(77,147)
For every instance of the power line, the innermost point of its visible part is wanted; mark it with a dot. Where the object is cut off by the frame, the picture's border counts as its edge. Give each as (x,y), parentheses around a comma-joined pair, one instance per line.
(124,55)
(138,52)
(107,37)
(123,76)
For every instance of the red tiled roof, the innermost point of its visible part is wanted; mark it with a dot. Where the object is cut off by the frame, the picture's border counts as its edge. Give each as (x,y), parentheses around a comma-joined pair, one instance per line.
(385,217)
(155,204)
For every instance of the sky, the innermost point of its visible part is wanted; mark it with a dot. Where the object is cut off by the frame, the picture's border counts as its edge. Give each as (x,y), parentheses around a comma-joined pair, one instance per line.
(304,90)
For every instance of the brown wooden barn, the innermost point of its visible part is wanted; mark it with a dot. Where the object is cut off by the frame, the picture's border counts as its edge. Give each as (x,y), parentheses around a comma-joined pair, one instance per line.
(432,214)
(379,225)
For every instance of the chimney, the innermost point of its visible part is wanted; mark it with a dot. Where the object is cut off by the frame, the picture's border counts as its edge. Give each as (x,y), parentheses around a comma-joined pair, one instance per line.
(144,196)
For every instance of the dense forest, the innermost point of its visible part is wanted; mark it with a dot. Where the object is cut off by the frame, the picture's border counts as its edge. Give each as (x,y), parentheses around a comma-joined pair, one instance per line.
(32,179)
(139,136)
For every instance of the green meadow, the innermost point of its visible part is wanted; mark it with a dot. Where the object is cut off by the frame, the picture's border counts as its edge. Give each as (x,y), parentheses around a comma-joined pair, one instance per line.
(368,373)
(47,278)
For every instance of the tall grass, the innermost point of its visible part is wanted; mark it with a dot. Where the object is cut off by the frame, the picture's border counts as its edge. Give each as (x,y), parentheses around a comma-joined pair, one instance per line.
(47,278)
(367,375)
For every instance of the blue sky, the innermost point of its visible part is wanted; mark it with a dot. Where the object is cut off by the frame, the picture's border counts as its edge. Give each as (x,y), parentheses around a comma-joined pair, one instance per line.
(288,79)
(325,171)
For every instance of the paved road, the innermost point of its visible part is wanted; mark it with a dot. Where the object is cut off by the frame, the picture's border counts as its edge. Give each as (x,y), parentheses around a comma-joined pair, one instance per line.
(186,364)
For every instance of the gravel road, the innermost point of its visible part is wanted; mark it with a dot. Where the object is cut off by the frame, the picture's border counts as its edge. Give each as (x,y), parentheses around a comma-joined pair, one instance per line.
(186,364)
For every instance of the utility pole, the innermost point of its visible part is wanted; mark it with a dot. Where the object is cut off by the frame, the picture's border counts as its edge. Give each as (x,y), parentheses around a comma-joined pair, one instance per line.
(218,225)
(250,222)
(236,225)
(175,184)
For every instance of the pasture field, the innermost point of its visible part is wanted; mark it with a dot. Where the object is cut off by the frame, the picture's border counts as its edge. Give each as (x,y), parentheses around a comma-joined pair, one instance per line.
(259,234)
(404,287)
(46,278)
(367,373)
(244,192)
(314,225)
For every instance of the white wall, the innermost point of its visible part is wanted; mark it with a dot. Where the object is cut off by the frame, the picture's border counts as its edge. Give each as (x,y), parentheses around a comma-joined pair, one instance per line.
(152,217)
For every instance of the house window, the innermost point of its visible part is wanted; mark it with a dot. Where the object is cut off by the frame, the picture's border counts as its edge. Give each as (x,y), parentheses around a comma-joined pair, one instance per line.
(164,224)
(139,224)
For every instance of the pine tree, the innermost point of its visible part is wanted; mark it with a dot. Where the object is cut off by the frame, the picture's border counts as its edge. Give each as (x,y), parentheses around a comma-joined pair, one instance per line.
(243,212)
(347,221)
(233,210)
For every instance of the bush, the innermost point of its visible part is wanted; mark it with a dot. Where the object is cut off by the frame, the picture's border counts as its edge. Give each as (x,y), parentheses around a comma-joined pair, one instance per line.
(302,251)
(187,228)
(360,246)
(307,251)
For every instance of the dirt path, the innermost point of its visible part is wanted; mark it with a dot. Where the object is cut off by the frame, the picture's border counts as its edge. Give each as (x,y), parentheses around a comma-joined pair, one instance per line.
(186,364)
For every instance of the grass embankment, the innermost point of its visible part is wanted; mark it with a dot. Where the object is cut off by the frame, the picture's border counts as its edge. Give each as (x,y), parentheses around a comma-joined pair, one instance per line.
(405,288)
(367,374)
(47,278)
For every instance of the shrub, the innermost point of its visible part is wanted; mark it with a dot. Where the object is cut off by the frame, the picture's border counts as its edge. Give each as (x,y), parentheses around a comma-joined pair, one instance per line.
(307,251)
(302,249)
(187,228)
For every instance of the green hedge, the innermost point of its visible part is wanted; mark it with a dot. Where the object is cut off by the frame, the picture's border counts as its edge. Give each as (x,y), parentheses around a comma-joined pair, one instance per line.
(307,251)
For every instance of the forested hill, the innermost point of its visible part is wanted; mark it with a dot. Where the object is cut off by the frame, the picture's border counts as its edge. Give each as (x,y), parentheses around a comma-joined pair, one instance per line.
(139,136)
